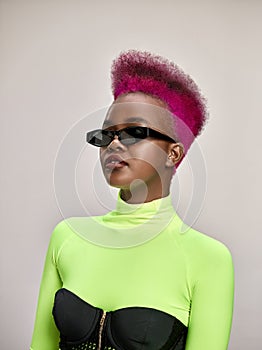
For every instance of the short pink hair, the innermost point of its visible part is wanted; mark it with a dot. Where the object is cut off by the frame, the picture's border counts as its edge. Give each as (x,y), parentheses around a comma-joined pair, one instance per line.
(134,71)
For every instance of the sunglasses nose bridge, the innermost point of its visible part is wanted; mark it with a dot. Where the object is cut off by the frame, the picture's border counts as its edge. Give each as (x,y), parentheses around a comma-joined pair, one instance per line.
(115,141)
(116,133)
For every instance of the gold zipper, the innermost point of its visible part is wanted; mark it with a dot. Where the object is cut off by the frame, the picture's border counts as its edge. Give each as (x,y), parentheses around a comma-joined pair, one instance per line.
(102,321)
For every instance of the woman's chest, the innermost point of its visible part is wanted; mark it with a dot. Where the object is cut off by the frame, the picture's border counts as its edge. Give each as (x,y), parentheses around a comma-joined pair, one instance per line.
(152,276)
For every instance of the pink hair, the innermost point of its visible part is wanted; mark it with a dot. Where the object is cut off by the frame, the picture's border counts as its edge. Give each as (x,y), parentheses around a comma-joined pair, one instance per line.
(154,75)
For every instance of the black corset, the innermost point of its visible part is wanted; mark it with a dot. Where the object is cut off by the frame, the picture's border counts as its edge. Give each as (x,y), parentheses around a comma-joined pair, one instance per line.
(83,327)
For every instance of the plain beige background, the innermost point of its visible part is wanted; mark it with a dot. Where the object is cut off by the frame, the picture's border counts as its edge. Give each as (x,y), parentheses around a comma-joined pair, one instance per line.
(55,63)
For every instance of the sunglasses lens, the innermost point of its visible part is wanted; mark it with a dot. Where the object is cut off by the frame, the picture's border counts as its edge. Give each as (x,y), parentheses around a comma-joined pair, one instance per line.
(132,135)
(127,136)
(99,138)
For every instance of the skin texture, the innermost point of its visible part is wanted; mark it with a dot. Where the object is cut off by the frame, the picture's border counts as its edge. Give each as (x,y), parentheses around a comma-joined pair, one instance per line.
(149,164)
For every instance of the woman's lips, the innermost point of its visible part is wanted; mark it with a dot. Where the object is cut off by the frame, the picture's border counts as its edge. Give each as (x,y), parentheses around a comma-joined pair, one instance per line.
(114,161)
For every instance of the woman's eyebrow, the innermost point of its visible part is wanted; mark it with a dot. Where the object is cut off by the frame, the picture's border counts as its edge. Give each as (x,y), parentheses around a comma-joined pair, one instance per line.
(136,120)
(128,120)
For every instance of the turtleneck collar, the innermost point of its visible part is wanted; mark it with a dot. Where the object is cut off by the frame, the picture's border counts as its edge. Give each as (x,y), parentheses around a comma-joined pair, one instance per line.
(136,214)
(129,224)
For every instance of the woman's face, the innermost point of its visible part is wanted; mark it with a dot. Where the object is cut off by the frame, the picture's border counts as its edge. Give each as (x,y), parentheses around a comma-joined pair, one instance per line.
(147,160)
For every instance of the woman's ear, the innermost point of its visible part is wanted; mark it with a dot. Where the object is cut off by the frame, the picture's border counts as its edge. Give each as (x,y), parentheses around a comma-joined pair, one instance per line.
(175,154)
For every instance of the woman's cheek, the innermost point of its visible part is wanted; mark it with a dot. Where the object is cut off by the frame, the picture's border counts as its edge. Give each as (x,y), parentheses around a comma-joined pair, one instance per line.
(150,155)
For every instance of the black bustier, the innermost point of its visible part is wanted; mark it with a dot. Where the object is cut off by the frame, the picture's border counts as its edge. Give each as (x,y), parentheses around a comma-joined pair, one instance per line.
(83,326)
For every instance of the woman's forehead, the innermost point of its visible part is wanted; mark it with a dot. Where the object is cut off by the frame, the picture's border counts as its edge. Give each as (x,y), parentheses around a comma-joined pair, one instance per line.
(141,113)
(115,120)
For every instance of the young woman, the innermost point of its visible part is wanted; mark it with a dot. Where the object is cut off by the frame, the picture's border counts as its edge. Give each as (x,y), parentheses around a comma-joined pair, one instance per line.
(131,280)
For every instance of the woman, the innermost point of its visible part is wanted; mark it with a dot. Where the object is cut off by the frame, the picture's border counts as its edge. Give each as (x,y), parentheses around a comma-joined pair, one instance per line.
(130,279)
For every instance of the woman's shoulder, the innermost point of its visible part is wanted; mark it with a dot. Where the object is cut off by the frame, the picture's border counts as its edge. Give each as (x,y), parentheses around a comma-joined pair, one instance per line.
(67,228)
(73,227)
(201,246)
(61,232)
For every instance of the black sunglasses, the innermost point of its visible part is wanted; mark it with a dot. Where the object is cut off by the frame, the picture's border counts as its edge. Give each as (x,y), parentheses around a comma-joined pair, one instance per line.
(127,136)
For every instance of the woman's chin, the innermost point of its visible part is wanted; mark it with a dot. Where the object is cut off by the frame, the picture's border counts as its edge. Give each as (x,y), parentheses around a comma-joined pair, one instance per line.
(118,180)
(118,184)
(133,185)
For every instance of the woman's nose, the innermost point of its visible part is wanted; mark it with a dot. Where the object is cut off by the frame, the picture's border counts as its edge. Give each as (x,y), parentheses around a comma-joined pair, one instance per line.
(116,144)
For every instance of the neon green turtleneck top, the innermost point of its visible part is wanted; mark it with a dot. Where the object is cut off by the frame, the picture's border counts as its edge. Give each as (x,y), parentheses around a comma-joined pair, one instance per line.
(140,255)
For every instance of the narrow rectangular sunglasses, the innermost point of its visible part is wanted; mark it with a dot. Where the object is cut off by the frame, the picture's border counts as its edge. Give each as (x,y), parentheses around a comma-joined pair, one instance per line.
(127,136)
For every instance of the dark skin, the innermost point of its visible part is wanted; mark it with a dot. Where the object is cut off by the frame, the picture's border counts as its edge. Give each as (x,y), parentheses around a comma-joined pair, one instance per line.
(147,167)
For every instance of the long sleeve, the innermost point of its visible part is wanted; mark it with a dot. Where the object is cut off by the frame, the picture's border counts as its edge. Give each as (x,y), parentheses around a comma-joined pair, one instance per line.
(46,335)
(212,300)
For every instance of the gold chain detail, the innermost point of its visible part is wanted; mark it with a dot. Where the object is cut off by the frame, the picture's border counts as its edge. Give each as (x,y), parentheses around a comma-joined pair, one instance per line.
(101,330)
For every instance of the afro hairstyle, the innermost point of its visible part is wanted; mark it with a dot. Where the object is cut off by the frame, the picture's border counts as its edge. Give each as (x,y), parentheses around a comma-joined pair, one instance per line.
(142,71)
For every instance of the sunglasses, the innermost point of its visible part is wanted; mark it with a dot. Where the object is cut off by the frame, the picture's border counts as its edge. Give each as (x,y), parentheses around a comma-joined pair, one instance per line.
(128,136)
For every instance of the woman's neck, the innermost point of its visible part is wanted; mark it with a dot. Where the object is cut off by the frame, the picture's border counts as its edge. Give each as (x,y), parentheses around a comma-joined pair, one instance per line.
(141,196)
